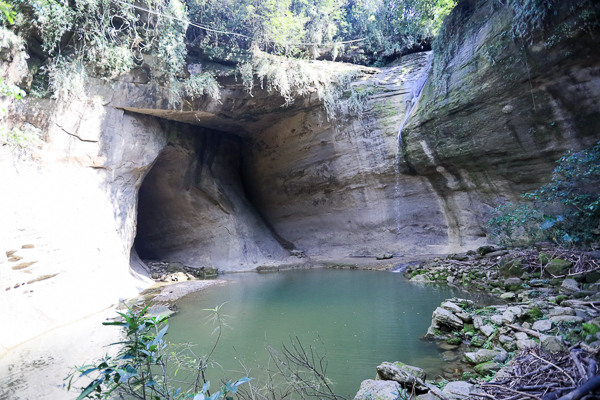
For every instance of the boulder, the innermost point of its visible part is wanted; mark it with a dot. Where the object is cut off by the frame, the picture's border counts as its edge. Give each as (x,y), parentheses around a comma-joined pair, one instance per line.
(487,368)
(511,267)
(445,317)
(466,317)
(558,266)
(508,317)
(583,314)
(487,330)
(450,356)
(447,346)
(384,256)
(566,318)
(544,258)
(508,296)
(460,390)
(498,253)
(483,250)
(175,267)
(427,396)
(481,356)
(569,286)
(593,348)
(477,341)
(521,336)
(451,307)
(405,375)
(497,319)
(526,344)
(505,339)
(542,325)
(554,311)
(371,389)
(512,284)
(553,344)
(510,346)
(592,277)
(458,257)
(477,321)
(205,272)
(179,276)
(517,311)
(502,357)
(420,278)
(433,332)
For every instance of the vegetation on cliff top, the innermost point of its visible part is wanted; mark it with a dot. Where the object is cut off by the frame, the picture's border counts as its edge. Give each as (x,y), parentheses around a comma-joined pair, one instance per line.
(70,40)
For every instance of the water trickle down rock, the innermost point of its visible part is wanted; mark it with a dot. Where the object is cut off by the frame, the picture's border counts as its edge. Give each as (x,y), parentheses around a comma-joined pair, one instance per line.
(409,106)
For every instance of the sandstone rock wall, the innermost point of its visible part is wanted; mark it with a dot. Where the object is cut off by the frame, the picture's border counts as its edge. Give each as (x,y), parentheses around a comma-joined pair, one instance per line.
(492,124)
(193,208)
(68,214)
(331,187)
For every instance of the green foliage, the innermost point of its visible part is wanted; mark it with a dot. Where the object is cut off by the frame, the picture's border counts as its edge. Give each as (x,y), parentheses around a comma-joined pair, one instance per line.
(9,90)
(298,27)
(106,38)
(560,298)
(454,341)
(53,19)
(571,205)
(8,14)
(67,79)
(534,314)
(441,384)
(23,137)
(530,18)
(141,368)
(194,87)
(291,78)
(574,187)
(590,329)
(513,223)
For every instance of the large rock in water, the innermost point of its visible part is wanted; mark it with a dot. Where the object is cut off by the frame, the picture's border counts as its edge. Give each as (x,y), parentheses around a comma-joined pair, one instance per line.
(481,356)
(406,375)
(444,317)
(379,390)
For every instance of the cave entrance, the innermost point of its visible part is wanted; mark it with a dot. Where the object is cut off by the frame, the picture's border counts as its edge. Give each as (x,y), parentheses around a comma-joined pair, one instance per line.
(192,207)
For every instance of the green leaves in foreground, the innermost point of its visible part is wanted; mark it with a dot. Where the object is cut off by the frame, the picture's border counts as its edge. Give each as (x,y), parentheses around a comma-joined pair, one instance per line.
(141,367)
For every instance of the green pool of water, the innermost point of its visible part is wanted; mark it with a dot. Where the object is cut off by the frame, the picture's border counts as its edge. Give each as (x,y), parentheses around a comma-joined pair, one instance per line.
(356,318)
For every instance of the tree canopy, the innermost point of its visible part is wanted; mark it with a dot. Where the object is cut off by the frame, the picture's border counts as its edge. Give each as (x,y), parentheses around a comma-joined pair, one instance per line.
(70,39)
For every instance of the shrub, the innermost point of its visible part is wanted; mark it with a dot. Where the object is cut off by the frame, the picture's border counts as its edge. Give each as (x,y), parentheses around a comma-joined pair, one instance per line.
(141,367)
(590,328)
(566,210)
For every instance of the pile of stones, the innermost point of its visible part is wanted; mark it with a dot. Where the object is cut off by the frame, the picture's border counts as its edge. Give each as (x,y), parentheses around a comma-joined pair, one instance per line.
(162,271)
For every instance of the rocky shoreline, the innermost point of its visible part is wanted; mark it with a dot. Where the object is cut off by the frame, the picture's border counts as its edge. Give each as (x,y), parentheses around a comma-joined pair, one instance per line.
(547,311)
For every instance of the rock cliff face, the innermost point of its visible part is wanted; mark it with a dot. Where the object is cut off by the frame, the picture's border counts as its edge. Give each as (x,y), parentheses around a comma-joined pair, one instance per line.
(240,183)
(331,187)
(192,206)
(500,111)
